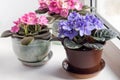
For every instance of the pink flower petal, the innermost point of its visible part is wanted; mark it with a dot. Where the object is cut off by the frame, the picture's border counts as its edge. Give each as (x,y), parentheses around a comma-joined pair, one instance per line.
(30,18)
(15,29)
(42,20)
(64,12)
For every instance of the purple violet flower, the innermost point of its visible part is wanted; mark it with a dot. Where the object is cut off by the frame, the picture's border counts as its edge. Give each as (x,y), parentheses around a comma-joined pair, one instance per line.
(70,34)
(65,25)
(94,21)
(79,24)
(73,16)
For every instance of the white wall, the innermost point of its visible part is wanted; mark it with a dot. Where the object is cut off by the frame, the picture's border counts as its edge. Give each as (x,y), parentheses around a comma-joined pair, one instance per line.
(11,10)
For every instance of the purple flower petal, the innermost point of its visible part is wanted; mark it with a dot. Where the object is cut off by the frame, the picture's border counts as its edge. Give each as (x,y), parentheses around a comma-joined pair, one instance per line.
(78,24)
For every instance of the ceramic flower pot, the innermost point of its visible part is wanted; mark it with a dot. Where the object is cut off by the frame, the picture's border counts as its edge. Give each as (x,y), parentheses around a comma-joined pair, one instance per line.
(35,54)
(83,64)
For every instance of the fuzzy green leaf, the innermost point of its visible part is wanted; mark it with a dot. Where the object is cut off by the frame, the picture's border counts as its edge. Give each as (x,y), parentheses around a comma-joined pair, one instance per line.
(94,45)
(83,12)
(56,17)
(51,19)
(7,33)
(44,30)
(99,39)
(85,7)
(41,11)
(27,40)
(43,35)
(17,36)
(104,34)
(71,45)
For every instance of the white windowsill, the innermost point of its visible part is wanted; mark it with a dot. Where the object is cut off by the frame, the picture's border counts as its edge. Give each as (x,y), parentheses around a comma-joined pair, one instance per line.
(12,69)
(116,42)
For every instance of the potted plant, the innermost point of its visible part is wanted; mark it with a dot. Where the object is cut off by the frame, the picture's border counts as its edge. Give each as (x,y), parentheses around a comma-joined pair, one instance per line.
(31,39)
(83,37)
(60,9)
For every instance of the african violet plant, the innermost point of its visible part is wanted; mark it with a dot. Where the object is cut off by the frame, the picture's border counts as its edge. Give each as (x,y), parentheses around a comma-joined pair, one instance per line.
(84,31)
(29,27)
(60,8)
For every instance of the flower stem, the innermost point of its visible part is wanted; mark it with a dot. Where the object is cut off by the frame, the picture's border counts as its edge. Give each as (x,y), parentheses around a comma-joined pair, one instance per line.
(40,28)
(36,28)
(25,28)
(75,39)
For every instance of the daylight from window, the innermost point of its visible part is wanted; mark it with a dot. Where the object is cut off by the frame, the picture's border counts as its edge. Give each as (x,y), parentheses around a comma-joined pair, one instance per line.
(110,11)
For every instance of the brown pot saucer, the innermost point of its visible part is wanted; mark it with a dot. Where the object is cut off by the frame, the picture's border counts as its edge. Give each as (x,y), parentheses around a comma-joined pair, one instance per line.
(79,73)
(38,63)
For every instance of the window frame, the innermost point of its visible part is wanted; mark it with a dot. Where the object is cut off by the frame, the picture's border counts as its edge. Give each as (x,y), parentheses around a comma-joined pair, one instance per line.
(93,3)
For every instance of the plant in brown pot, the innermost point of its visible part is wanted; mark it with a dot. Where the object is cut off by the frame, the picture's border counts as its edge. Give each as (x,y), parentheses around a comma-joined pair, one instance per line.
(31,39)
(83,37)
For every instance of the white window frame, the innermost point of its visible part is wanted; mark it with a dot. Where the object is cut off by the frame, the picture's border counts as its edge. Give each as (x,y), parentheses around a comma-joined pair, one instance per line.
(111,59)
(93,3)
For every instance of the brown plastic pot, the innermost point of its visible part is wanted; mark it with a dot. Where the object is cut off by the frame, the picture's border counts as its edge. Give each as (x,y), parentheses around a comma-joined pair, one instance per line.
(83,64)
(84,59)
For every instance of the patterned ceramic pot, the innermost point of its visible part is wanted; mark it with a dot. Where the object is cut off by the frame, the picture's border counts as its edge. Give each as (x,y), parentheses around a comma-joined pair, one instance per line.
(34,53)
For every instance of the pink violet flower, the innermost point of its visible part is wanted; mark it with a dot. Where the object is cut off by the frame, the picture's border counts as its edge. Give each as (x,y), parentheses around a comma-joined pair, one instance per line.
(44,1)
(17,22)
(23,19)
(57,6)
(64,12)
(71,4)
(30,18)
(79,6)
(42,20)
(54,7)
(43,5)
(65,5)
(15,29)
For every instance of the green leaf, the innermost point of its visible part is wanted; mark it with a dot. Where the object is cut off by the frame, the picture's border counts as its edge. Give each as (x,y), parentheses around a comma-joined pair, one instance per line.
(43,35)
(7,33)
(105,34)
(56,16)
(31,28)
(45,30)
(51,19)
(99,39)
(83,12)
(85,7)
(78,39)
(55,28)
(94,45)
(27,40)
(71,44)
(41,11)
(17,36)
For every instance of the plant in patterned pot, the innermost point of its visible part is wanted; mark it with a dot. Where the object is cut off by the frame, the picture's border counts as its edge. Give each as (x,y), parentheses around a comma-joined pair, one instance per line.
(31,39)
(83,37)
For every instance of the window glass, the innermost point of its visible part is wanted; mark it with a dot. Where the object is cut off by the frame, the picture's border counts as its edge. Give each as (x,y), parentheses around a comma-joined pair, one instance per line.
(110,11)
